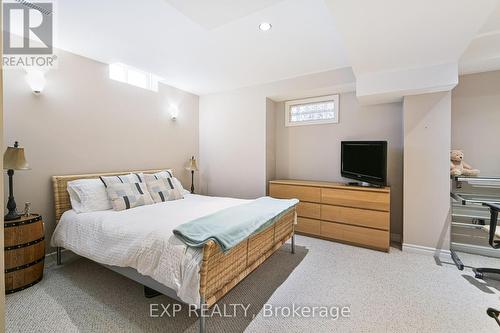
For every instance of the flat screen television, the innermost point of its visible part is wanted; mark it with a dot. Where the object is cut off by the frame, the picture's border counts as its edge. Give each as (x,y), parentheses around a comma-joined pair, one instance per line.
(365,161)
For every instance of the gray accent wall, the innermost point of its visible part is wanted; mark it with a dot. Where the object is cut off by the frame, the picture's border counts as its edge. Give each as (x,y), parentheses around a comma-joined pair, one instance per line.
(84,122)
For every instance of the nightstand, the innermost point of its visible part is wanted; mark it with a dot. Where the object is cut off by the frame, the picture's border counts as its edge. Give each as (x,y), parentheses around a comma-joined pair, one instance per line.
(24,252)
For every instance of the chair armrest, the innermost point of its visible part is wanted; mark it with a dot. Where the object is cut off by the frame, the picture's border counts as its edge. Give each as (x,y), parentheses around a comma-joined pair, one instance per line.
(492,206)
(494,209)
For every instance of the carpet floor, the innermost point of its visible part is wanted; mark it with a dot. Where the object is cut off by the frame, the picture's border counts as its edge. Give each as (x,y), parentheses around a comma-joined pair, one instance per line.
(395,292)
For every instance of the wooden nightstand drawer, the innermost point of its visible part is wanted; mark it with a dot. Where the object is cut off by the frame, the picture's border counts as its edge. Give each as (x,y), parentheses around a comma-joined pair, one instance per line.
(347,233)
(307,209)
(303,193)
(355,216)
(308,226)
(356,198)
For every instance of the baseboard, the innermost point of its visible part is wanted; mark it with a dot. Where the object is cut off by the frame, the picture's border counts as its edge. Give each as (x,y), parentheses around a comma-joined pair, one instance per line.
(430,251)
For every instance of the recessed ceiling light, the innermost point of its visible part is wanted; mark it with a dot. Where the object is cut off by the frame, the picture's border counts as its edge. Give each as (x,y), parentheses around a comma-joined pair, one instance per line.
(264,26)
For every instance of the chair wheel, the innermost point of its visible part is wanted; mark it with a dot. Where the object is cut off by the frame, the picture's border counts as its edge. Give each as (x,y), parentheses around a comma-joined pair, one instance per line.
(479,275)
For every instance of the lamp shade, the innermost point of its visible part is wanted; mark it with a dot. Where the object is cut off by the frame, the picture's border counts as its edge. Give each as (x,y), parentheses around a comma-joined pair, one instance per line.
(13,158)
(192,165)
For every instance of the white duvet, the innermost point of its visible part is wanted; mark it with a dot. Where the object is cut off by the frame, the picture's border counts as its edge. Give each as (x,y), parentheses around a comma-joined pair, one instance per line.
(142,238)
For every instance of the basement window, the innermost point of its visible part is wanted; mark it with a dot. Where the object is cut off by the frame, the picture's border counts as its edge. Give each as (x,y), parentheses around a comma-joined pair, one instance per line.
(126,74)
(312,111)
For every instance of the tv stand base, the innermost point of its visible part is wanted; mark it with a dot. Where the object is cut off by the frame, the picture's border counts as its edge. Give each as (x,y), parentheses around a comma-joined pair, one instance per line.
(363,184)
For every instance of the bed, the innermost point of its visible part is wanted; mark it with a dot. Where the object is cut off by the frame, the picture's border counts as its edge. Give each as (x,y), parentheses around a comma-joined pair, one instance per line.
(210,273)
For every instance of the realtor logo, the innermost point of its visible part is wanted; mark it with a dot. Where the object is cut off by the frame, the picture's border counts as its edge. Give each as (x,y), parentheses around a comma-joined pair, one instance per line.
(28,34)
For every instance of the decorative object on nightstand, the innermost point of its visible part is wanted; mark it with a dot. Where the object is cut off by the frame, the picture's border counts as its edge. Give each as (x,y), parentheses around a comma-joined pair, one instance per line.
(24,252)
(13,159)
(27,209)
(192,167)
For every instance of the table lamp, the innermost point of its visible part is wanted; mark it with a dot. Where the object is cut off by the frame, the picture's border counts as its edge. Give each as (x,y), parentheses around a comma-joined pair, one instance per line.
(192,167)
(13,159)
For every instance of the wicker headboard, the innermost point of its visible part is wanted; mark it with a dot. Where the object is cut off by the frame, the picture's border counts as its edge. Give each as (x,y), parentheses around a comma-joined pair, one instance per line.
(61,196)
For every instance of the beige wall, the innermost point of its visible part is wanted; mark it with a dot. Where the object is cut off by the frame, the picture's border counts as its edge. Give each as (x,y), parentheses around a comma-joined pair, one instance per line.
(313,152)
(84,122)
(427,140)
(475,120)
(270,140)
(234,160)
(233,144)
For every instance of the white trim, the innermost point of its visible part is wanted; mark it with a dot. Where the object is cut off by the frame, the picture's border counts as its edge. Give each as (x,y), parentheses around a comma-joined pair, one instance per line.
(329,98)
(151,79)
(430,251)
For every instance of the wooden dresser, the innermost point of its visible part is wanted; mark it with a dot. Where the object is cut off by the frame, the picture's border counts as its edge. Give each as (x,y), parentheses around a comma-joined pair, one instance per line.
(351,214)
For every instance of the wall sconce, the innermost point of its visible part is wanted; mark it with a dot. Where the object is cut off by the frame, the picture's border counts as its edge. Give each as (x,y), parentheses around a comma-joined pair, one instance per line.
(36,80)
(174,112)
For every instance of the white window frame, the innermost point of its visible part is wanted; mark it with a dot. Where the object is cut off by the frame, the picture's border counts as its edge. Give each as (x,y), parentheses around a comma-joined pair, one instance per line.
(151,79)
(329,98)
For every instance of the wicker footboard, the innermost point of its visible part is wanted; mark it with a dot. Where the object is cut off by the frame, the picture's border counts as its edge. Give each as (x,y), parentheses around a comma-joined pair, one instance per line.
(221,272)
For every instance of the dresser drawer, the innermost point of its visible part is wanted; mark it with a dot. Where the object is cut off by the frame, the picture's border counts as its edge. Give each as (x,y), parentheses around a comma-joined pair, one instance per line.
(303,193)
(355,216)
(307,209)
(348,233)
(308,226)
(356,198)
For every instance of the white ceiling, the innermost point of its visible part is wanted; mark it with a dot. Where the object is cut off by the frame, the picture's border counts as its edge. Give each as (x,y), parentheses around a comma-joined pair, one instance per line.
(204,49)
(483,53)
(403,34)
(215,13)
(405,47)
(393,46)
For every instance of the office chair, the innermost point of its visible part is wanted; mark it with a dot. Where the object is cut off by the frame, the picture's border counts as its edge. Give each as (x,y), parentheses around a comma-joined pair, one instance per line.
(494,314)
(492,230)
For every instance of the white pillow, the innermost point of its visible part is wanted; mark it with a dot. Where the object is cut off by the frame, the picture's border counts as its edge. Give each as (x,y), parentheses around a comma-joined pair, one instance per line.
(88,195)
(178,184)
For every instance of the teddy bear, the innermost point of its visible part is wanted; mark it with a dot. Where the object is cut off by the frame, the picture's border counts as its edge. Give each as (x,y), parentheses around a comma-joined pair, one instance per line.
(459,167)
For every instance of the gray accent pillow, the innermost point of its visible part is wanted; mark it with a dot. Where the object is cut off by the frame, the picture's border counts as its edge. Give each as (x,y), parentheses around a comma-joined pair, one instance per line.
(149,177)
(128,178)
(164,189)
(128,195)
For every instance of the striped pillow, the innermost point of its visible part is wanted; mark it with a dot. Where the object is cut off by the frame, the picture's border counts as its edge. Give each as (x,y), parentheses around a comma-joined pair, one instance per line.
(128,195)
(149,177)
(164,189)
(130,178)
